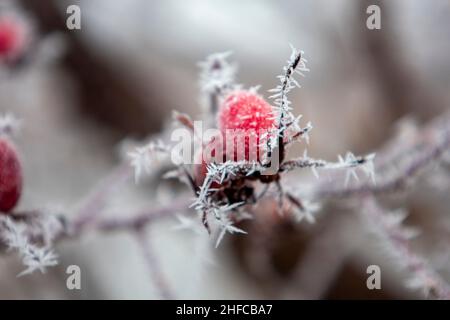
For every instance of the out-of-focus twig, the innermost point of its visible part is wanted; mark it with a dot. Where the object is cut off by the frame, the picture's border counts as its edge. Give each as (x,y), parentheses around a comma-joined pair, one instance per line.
(321,262)
(423,276)
(153,264)
(393,174)
(95,200)
(141,219)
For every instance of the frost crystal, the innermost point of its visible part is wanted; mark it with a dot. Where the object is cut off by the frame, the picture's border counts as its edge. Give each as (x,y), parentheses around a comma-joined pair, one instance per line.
(220,173)
(35,258)
(307,211)
(217,74)
(9,124)
(143,157)
(226,226)
(187,223)
(350,163)
(16,238)
(286,121)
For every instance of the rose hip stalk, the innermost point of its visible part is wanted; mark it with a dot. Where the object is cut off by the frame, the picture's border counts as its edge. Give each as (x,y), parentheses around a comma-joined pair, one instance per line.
(10,176)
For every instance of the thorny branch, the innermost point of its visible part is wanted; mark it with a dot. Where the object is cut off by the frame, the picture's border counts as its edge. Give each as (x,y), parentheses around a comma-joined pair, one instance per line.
(296,64)
(388,227)
(394,173)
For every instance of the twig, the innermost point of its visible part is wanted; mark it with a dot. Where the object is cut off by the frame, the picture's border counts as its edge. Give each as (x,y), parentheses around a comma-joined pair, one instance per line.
(153,264)
(423,276)
(433,143)
(217,76)
(282,105)
(95,200)
(141,219)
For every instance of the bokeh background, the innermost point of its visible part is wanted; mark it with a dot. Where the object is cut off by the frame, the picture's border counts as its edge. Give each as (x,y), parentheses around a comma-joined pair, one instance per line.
(82,92)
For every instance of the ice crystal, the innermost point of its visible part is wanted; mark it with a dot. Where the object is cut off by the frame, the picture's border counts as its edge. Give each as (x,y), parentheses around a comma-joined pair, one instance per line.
(217,74)
(286,120)
(9,124)
(142,158)
(16,237)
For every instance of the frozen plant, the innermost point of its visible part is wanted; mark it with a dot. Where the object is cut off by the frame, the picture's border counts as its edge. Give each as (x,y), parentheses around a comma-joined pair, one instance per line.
(231,175)
(226,186)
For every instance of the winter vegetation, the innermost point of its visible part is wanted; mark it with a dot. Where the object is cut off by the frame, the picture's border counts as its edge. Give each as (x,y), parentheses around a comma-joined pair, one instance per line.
(230,175)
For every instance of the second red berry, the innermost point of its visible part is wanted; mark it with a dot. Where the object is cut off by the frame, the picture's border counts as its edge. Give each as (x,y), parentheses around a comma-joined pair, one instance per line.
(10,176)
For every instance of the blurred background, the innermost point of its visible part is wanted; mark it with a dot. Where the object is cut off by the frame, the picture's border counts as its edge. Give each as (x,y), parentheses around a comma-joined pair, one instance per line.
(81,92)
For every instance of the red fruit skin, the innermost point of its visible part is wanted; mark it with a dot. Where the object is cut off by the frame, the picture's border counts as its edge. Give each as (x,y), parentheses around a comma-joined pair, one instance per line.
(245,110)
(10,176)
(12,38)
(240,110)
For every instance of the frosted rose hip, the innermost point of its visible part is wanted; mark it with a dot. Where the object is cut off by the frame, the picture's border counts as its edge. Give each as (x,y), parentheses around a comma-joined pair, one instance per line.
(13,38)
(10,176)
(247,116)
(252,115)
(245,110)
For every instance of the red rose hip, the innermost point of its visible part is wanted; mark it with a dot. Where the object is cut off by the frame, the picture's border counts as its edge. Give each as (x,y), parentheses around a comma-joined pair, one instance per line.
(245,110)
(10,176)
(13,38)
(248,116)
(243,118)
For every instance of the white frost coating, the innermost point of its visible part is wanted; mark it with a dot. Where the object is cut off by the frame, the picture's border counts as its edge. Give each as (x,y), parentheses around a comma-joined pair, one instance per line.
(16,238)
